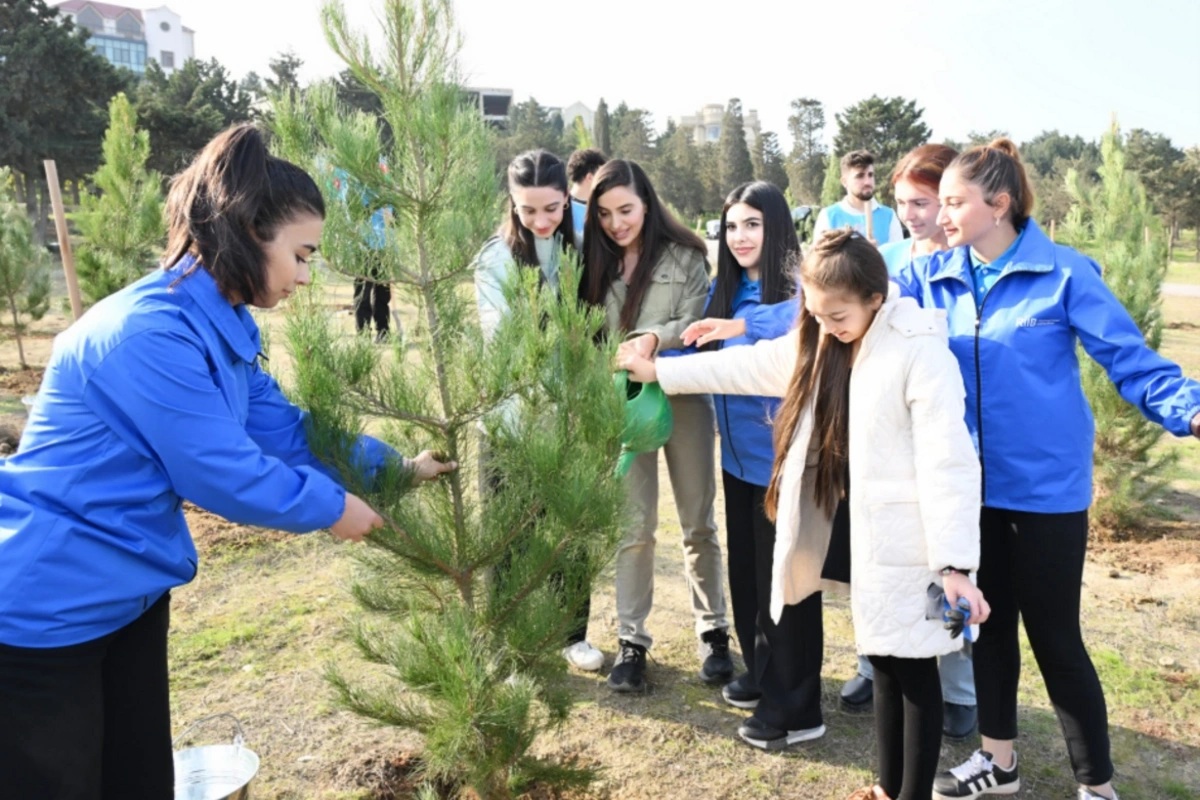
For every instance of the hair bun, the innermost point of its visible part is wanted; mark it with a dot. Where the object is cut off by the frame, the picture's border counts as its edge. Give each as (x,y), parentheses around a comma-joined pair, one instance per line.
(1006,146)
(834,240)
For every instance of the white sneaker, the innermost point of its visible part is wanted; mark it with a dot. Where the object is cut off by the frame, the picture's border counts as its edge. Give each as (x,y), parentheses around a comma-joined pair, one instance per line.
(582,655)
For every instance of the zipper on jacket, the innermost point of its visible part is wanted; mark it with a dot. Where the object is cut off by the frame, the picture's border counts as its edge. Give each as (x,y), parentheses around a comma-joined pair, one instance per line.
(979,404)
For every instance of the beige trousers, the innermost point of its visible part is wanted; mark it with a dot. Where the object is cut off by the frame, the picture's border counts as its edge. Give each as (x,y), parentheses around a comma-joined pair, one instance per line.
(692,468)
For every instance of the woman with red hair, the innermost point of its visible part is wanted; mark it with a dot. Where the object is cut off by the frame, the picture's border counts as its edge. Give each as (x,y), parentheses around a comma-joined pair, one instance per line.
(916,180)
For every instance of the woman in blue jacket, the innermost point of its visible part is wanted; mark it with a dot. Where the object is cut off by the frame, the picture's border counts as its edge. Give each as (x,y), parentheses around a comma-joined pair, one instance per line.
(1016,305)
(154,397)
(751,299)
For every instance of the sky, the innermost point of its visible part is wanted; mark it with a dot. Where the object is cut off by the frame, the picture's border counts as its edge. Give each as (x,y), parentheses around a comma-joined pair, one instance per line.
(1019,66)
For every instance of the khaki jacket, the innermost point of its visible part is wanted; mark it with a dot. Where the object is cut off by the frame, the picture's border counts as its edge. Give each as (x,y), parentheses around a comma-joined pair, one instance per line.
(674,299)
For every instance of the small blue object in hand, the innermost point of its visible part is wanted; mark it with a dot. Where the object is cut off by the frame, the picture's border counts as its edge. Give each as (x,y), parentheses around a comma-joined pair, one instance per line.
(957,618)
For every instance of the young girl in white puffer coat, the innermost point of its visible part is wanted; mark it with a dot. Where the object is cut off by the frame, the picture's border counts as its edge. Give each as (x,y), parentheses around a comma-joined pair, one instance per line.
(873,399)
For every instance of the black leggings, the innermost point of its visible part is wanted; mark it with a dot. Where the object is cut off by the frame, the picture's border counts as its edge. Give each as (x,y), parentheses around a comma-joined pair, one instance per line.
(784,657)
(908,725)
(91,721)
(1031,568)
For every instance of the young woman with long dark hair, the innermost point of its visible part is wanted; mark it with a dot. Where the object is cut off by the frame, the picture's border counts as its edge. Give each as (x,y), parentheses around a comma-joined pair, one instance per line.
(753,299)
(650,276)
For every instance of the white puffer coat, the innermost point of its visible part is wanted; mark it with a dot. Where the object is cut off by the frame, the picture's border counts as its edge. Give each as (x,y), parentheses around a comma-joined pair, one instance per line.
(914,474)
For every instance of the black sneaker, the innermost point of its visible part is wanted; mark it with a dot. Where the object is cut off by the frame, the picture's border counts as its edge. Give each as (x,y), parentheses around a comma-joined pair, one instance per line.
(858,695)
(742,692)
(758,733)
(629,669)
(714,650)
(976,777)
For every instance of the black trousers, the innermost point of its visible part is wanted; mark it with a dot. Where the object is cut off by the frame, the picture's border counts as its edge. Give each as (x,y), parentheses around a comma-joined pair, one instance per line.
(91,721)
(784,657)
(371,302)
(908,725)
(1031,569)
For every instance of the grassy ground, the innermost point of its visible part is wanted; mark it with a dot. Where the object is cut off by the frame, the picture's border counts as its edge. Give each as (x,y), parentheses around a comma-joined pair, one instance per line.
(252,634)
(1185,264)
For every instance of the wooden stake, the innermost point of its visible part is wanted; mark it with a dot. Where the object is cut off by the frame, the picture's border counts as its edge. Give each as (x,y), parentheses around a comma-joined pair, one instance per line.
(1146,233)
(64,241)
(870,222)
(1052,231)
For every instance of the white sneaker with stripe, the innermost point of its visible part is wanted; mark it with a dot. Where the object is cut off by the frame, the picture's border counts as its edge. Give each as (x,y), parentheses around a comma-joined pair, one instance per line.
(976,777)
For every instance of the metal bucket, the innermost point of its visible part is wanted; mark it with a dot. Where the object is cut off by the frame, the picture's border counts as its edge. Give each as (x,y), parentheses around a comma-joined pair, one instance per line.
(215,772)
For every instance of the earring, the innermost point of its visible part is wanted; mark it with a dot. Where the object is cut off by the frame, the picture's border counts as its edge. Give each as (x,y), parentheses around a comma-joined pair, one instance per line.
(997,222)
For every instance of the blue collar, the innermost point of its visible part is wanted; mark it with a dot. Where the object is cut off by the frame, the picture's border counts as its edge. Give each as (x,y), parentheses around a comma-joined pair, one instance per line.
(1032,252)
(235,323)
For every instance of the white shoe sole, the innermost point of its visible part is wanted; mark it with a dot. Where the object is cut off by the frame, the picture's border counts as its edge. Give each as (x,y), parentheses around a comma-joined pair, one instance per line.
(1006,789)
(793,737)
(746,704)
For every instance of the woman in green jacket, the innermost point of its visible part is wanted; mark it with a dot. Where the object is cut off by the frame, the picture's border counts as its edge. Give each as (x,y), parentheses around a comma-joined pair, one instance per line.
(650,275)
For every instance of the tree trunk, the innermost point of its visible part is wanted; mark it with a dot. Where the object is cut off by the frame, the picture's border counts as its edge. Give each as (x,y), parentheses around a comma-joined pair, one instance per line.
(31,206)
(75,193)
(43,212)
(12,305)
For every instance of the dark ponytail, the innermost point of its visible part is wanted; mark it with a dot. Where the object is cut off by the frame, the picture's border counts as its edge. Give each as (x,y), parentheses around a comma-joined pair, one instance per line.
(996,169)
(230,201)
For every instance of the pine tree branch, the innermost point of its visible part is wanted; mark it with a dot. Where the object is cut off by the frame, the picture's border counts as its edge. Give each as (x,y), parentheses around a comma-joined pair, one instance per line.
(511,537)
(430,558)
(531,584)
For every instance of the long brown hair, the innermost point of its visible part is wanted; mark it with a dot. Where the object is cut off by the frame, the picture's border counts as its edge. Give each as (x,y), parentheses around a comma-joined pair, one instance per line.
(842,261)
(602,256)
(233,197)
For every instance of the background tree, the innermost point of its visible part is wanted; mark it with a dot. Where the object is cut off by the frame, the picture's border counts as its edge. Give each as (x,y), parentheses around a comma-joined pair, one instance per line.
(285,73)
(1048,157)
(677,172)
(806,162)
(774,166)
(54,91)
(714,190)
(123,227)
(1157,162)
(464,612)
(632,134)
(183,111)
(831,188)
(1109,222)
(529,128)
(888,127)
(24,274)
(736,166)
(601,133)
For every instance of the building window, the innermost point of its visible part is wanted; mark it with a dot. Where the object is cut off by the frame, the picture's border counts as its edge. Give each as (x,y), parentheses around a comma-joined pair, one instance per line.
(167,59)
(128,26)
(88,18)
(127,53)
(165,26)
(713,133)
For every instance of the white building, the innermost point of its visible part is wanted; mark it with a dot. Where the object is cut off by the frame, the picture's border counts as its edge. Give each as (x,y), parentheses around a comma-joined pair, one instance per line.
(579,110)
(129,37)
(706,124)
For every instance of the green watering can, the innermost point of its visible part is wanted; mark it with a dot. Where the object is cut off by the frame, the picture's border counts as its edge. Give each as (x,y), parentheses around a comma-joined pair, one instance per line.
(648,419)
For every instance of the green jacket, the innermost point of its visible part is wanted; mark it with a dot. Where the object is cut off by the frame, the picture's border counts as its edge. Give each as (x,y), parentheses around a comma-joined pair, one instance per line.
(674,299)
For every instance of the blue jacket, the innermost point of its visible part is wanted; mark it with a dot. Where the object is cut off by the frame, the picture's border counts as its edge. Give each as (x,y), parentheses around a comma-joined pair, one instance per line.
(1026,408)
(747,445)
(153,397)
